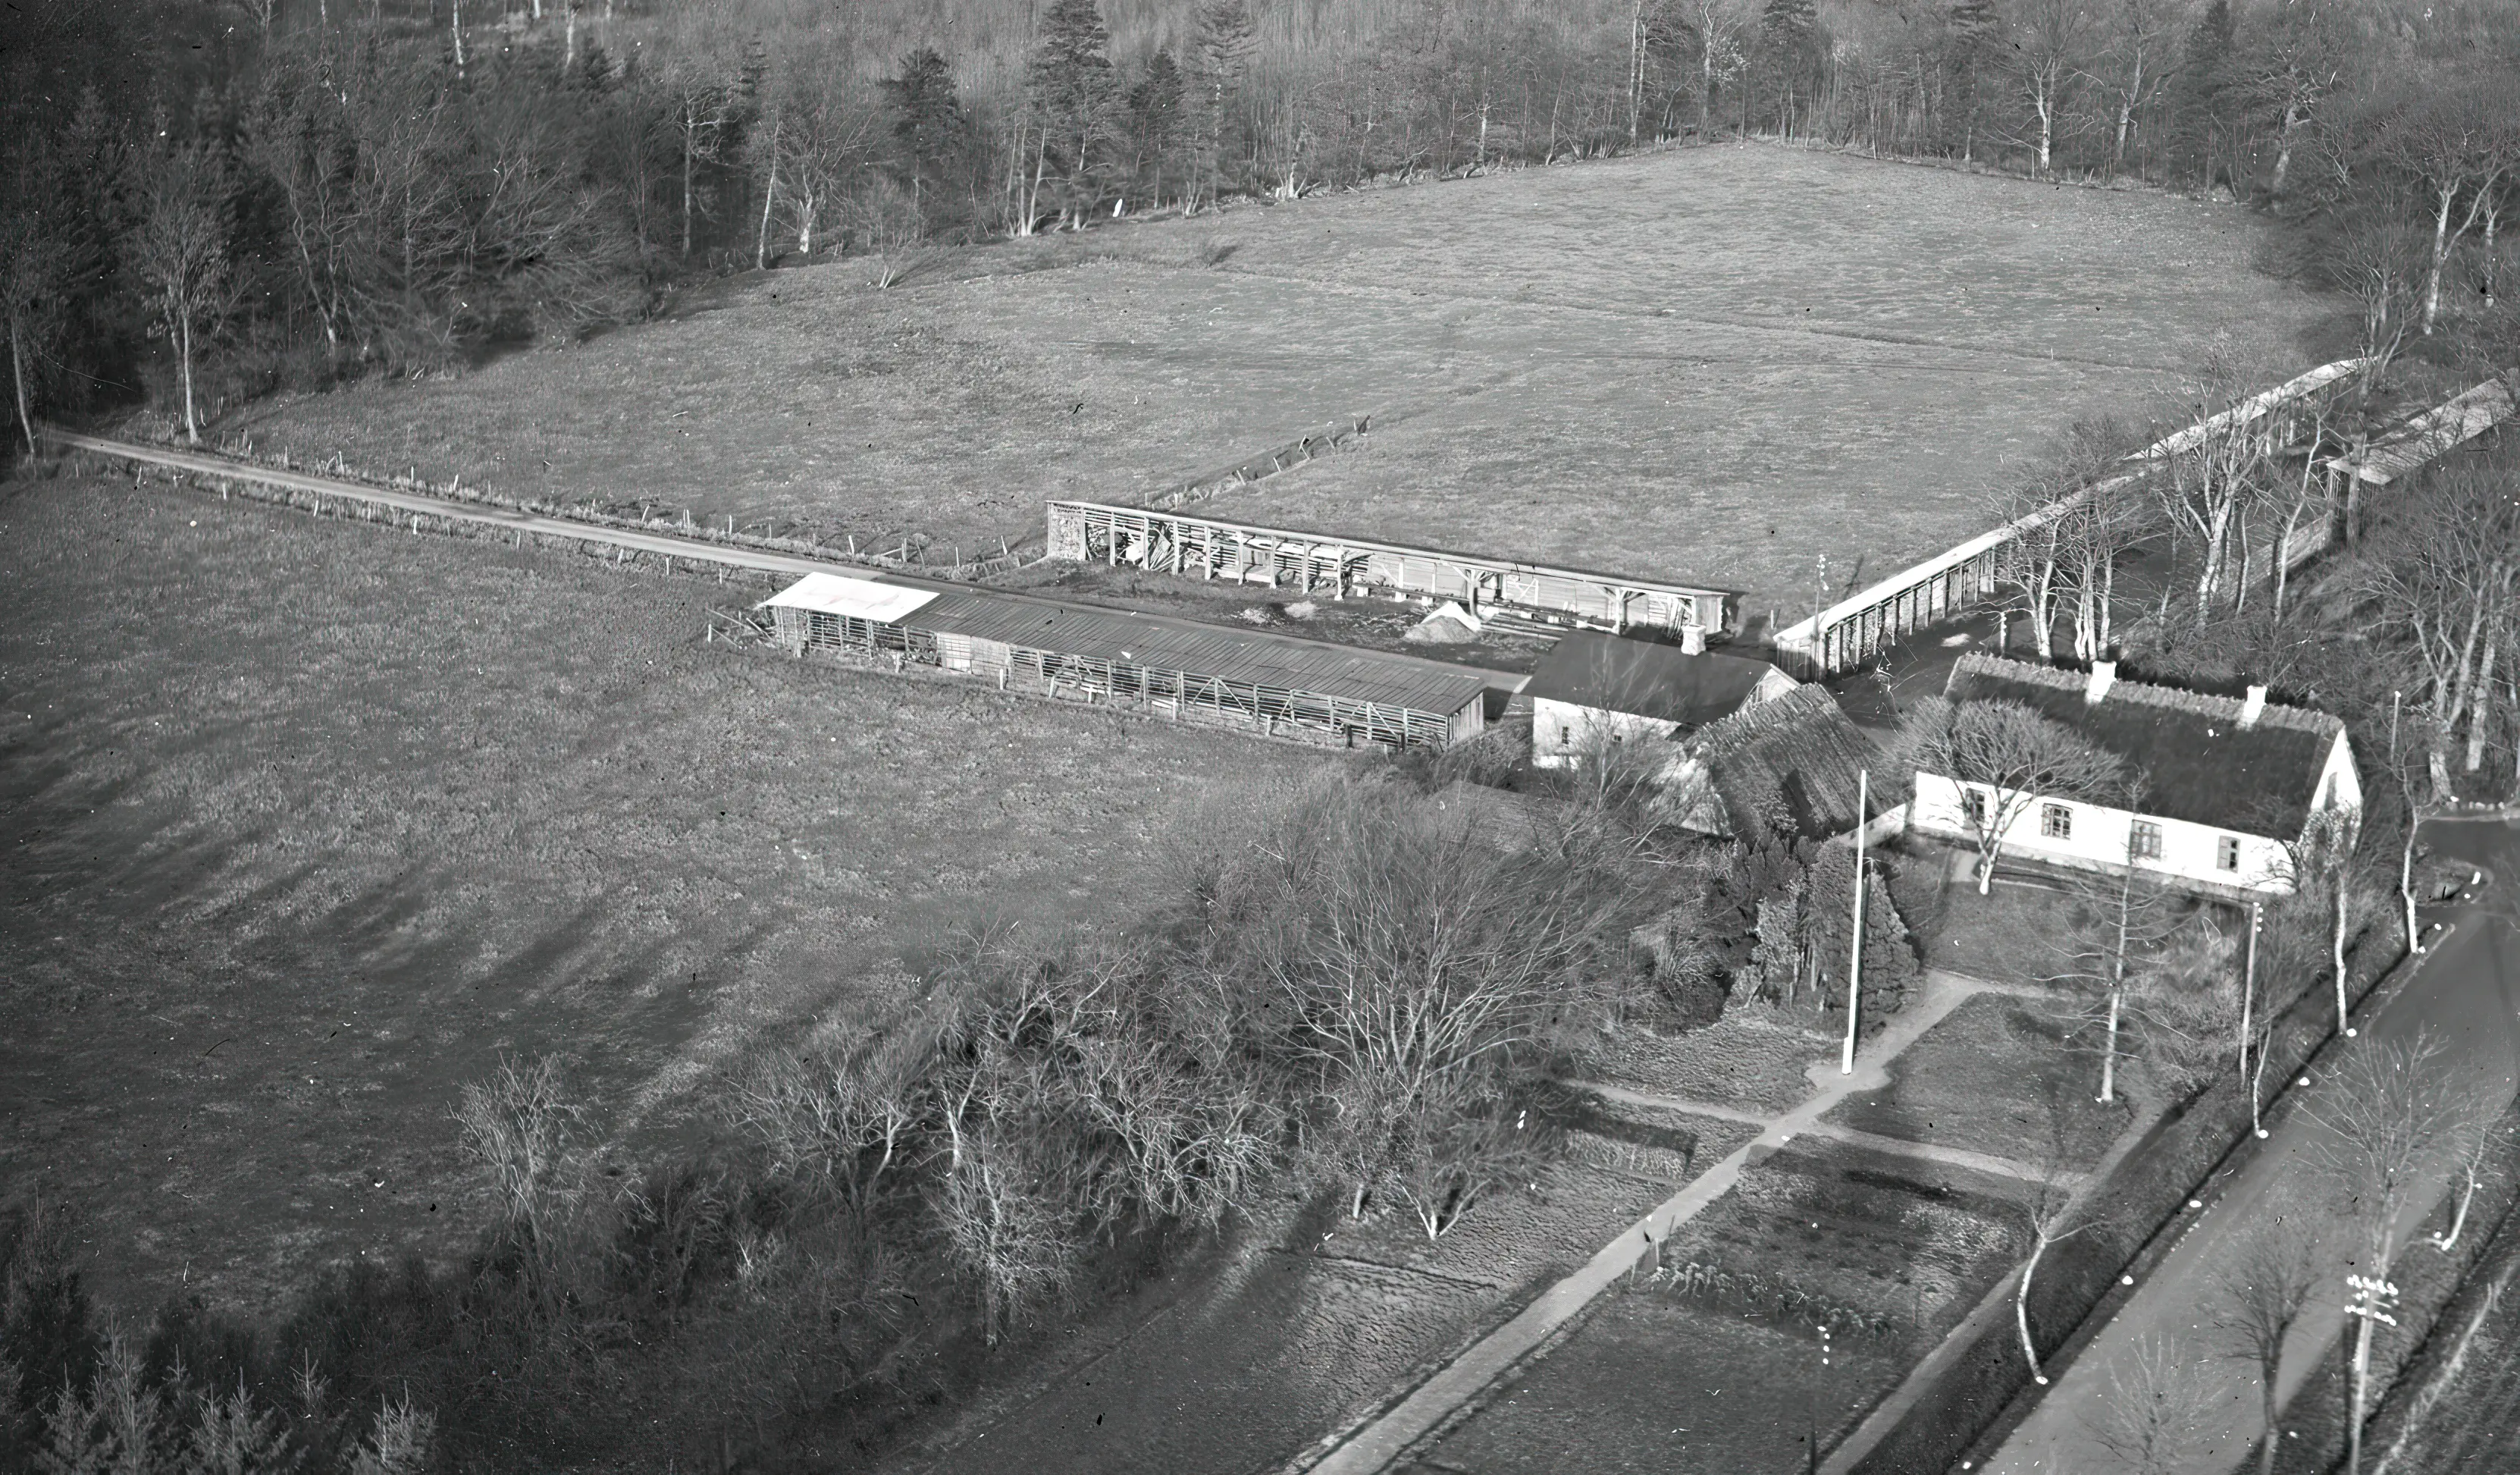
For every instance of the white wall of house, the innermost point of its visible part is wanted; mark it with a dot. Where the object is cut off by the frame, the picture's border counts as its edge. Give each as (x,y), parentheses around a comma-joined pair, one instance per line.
(2098,839)
(1561,732)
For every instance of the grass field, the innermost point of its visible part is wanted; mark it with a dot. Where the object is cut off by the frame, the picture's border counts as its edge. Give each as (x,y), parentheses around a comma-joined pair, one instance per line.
(308,823)
(1713,366)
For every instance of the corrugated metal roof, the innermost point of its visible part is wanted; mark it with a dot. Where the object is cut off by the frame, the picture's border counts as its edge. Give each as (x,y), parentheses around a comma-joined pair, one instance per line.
(839,594)
(1253,657)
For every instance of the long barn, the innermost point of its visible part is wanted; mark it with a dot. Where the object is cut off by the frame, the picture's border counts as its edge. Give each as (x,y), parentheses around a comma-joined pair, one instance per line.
(1277,685)
(1190,544)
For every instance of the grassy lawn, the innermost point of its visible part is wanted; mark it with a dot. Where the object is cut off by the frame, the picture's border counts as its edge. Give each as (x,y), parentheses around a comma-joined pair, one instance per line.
(309,823)
(1711,365)
(2009,1077)
(2017,933)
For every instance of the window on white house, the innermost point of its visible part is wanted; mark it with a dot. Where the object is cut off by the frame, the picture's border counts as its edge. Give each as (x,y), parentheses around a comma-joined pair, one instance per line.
(2055,822)
(1565,736)
(1973,804)
(2226,853)
(2146,842)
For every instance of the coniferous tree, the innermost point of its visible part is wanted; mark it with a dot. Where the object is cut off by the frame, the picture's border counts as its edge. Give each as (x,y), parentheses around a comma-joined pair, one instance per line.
(1974,60)
(1158,127)
(932,133)
(2203,95)
(1219,59)
(1073,98)
(1789,55)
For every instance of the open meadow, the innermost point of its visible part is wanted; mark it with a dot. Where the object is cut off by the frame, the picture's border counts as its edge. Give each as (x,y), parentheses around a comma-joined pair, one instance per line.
(1711,365)
(309,823)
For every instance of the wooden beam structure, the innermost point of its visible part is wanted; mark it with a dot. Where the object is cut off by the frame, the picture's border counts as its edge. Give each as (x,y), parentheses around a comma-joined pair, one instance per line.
(1166,541)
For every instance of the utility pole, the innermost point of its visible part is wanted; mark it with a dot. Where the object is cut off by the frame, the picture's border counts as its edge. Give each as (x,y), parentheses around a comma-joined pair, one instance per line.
(1855,960)
(2248,1001)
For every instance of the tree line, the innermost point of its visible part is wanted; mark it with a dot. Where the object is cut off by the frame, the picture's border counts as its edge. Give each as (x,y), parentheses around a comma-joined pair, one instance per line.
(205,202)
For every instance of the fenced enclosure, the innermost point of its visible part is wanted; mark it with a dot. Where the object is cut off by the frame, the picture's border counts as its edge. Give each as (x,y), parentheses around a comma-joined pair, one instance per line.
(1181,543)
(1270,685)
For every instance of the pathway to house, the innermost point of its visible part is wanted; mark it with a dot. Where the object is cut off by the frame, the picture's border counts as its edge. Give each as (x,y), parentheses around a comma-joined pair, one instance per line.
(2464,993)
(1378,1441)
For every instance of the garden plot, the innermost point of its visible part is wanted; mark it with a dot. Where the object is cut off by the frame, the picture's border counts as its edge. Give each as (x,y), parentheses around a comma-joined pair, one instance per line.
(1710,365)
(1712,1361)
(1301,1331)
(311,823)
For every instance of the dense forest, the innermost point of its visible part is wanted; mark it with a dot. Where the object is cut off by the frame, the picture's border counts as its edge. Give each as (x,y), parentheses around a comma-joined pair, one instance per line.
(205,201)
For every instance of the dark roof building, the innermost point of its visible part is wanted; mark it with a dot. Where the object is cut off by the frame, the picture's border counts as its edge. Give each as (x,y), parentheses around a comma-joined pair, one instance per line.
(2219,796)
(1593,689)
(1661,682)
(2231,763)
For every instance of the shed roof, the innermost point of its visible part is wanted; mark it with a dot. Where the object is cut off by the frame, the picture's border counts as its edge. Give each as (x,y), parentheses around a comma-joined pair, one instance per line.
(1247,656)
(840,594)
(2197,762)
(1638,677)
(1796,765)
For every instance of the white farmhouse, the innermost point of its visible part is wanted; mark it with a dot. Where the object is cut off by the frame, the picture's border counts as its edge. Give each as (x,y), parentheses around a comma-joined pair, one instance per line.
(1592,690)
(2227,785)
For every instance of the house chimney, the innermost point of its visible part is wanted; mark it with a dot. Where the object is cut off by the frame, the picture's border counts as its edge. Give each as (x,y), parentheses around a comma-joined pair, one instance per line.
(2253,707)
(2104,674)
(1693,639)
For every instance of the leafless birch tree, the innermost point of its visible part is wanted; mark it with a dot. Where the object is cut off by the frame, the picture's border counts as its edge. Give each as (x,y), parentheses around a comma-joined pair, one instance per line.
(2259,1300)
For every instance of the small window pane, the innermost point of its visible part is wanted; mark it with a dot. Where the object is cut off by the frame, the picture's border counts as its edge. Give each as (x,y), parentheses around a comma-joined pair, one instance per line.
(2056,822)
(2147,840)
(1973,804)
(2228,853)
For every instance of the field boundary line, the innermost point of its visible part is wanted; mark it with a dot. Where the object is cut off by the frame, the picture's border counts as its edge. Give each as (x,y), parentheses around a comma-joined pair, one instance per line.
(1413,1422)
(420,505)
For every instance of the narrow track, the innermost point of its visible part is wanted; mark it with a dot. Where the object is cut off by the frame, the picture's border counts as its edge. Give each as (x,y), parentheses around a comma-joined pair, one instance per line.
(420,505)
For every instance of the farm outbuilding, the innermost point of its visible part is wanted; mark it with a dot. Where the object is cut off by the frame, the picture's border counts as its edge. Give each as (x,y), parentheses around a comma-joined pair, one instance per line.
(1793,768)
(1593,689)
(1274,684)
(1206,548)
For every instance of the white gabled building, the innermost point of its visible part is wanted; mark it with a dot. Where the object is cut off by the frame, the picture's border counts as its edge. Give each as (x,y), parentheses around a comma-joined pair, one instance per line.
(2231,785)
(1594,690)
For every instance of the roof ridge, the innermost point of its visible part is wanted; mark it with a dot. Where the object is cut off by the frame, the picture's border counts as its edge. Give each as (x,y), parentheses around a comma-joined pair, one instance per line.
(1733,730)
(2151,694)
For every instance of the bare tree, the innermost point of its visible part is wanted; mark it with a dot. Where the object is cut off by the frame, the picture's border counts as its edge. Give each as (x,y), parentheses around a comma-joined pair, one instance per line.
(2005,757)
(2259,1300)
(2150,1423)
(2121,922)
(2050,43)
(181,252)
(2442,573)
(2055,1216)
(2459,143)
(2389,1110)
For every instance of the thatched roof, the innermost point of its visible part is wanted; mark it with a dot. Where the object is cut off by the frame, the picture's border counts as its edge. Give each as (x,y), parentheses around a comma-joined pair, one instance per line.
(2200,762)
(1791,766)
